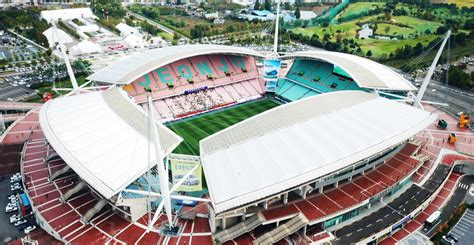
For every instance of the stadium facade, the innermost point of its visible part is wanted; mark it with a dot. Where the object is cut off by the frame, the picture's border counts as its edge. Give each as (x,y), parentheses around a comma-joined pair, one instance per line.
(337,144)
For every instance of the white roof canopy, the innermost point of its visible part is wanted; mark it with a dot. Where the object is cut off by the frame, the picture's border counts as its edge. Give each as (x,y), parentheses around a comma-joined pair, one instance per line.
(301,141)
(103,137)
(127,70)
(67,14)
(366,73)
(61,35)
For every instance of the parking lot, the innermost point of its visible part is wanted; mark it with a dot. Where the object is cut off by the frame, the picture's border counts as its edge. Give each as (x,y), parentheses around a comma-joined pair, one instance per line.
(463,230)
(8,231)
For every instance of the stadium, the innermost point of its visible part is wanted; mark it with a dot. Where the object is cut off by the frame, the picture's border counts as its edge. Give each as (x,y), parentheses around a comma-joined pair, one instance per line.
(202,144)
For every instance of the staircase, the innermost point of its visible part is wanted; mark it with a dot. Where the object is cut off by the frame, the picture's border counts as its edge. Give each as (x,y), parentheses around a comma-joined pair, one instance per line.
(91,212)
(240,228)
(51,156)
(60,172)
(283,231)
(422,158)
(72,191)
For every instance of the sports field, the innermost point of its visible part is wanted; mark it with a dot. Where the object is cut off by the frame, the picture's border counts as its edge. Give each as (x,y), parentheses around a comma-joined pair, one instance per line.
(194,129)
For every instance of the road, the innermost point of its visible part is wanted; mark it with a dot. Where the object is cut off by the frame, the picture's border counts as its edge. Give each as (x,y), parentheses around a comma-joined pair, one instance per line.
(453,202)
(158,25)
(456,99)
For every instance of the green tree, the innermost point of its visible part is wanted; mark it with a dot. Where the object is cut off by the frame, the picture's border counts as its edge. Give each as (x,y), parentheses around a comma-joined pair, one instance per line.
(268,5)
(369,53)
(297,12)
(256,6)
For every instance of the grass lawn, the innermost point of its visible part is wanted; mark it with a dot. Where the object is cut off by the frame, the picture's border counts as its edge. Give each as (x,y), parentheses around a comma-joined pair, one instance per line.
(359,7)
(418,24)
(166,36)
(462,3)
(381,47)
(194,129)
(393,30)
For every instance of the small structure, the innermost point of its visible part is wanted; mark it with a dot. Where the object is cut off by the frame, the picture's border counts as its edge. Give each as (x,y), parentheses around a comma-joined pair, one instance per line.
(218,21)
(365,32)
(263,15)
(86,47)
(126,30)
(134,41)
(307,15)
(211,16)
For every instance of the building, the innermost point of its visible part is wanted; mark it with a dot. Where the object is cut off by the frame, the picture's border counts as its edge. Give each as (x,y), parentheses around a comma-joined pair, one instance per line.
(334,143)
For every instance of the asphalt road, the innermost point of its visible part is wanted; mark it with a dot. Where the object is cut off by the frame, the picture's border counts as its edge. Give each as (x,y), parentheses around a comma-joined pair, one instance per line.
(392,212)
(456,199)
(456,99)
(158,25)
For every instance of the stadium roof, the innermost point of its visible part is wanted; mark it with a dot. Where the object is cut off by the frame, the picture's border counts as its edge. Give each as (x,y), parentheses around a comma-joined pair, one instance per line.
(129,69)
(366,73)
(103,137)
(301,141)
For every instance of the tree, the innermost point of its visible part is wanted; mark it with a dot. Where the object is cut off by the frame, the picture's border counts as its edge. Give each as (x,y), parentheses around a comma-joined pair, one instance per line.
(287,6)
(387,29)
(418,49)
(268,5)
(256,6)
(369,53)
(297,12)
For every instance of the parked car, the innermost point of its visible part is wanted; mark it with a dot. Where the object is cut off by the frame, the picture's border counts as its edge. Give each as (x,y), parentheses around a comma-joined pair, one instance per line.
(9,209)
(20,222)
(30,229)
(14,219)
(15,188)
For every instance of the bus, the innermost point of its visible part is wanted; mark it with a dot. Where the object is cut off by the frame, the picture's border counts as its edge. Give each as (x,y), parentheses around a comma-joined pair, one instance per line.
(432,220)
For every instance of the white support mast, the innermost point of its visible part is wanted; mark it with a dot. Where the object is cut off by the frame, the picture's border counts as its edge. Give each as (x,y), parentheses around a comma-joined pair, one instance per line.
(277,25)
(427,79)
(163,175)
(75,87)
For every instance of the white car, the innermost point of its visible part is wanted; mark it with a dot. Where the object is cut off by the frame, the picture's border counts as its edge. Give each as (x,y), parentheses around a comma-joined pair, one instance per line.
(9,209)
(14,219)
(29,229)
(14,188)
(20,222)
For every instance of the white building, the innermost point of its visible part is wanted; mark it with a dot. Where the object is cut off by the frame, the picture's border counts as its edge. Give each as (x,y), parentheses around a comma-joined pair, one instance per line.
(365,32)
(67,14)
(126,30)
(86,47)
(307,15)
(244,2)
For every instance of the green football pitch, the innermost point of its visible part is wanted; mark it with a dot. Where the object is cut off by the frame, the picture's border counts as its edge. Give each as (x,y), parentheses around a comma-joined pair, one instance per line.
(193,129)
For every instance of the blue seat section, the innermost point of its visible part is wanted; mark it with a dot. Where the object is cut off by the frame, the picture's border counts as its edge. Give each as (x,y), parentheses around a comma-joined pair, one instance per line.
(296,92)
(293,91)
(283,85)
(310,93)
(317,69)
